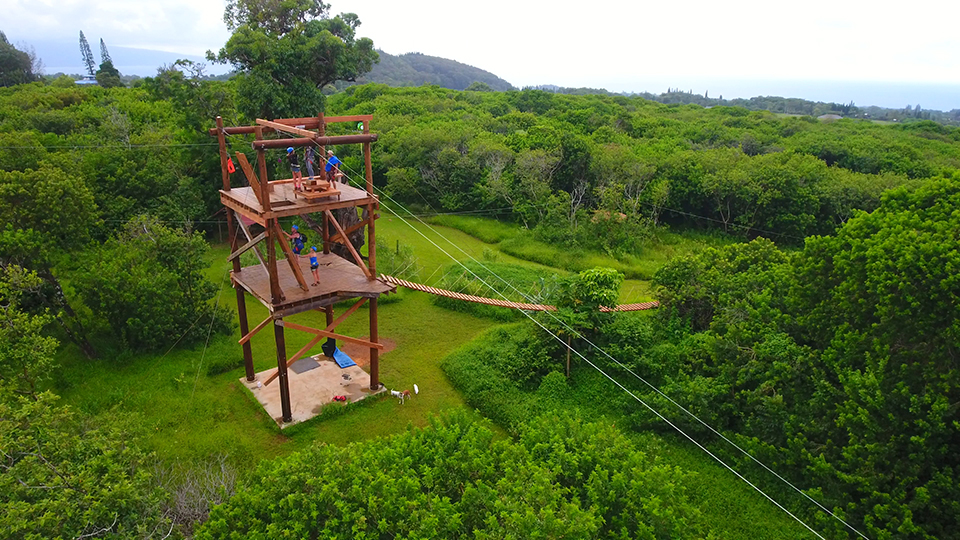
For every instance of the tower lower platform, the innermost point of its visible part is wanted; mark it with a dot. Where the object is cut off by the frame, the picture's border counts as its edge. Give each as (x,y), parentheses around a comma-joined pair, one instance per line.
(339,280)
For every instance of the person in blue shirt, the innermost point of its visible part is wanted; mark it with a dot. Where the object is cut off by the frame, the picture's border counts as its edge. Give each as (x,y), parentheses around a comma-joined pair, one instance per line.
(296,239)
(333,168)
(314,265)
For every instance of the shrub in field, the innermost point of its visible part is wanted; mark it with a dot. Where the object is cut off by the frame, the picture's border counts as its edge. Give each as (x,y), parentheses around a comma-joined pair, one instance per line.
(452,479)
(148,285)
(66,476)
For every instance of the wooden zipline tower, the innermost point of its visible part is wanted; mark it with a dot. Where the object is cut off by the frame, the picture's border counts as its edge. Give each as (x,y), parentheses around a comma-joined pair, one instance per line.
(281,287)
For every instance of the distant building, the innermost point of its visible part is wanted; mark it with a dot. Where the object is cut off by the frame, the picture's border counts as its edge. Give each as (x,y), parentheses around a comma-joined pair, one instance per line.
(829,117)
(88,80)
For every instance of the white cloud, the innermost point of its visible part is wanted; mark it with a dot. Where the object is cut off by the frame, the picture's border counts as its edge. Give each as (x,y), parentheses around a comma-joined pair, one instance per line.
(575,43)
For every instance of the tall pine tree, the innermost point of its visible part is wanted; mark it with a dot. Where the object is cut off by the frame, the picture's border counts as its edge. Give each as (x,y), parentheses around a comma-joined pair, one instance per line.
(87,55)
(104,54)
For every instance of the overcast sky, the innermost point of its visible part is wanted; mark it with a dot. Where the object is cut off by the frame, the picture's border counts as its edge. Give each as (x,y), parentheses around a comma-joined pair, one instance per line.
(618,45)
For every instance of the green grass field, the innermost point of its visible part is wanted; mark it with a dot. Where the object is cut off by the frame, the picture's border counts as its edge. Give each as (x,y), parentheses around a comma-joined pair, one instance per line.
(512,240)
(192,416)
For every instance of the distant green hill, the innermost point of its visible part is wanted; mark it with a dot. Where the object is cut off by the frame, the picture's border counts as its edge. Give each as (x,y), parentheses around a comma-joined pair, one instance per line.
(415,69)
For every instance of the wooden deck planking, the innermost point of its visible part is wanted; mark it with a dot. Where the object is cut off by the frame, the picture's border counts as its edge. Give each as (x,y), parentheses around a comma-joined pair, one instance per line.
(284,204)
(339,279)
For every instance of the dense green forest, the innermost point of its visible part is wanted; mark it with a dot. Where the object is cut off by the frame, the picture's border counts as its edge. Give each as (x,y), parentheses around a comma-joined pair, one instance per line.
(777,104)
(818,330)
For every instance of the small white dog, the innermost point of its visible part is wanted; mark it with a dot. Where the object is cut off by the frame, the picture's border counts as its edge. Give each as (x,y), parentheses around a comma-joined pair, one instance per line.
(401,395)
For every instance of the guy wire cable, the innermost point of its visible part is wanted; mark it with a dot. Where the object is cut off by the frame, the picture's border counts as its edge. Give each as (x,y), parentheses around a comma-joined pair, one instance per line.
(631,394)
(574,332)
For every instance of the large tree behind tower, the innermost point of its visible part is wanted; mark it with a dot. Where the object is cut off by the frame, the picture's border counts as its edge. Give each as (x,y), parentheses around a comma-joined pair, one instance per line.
(286,51)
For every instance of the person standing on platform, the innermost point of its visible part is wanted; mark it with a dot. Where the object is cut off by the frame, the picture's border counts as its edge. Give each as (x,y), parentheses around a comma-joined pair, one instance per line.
(333,168)
(314,265)
(308,157)
(295,168)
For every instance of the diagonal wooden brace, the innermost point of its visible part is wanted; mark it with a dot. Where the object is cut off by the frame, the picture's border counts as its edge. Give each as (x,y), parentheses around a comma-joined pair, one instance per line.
(324,333)
(246,233)
(332,326)
(313,343)
(246,246)
(251,176)
(350,229)
(353,251)
(253,332)
(292,258)
(287,129)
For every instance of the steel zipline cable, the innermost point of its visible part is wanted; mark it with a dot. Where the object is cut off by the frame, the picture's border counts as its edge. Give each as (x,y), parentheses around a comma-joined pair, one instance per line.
(621,365)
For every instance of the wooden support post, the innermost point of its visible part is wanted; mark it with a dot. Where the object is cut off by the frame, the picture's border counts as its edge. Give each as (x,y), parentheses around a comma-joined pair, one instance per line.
(367,165)
(371,211)
(372,240)
(282,370)
(244,329)
(326,235)
(322,162)
(265,187)
(292,259)
(276,294)
(232,233)
(374,351)
(349,245)
(329,312)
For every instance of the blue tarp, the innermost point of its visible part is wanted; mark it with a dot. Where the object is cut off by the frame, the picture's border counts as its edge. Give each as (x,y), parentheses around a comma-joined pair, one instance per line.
(342,359)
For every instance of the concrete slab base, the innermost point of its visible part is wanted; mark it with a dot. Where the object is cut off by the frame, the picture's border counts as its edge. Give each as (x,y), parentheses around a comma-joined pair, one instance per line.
(311,389)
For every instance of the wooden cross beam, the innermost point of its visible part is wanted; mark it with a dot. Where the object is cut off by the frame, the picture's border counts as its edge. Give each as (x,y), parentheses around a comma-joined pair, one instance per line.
(349,245)
(253,332)
(332,326)
(320,334)
(292,258)
(241,250)
(313,342)
(251,176)
(325,333)
(287,129)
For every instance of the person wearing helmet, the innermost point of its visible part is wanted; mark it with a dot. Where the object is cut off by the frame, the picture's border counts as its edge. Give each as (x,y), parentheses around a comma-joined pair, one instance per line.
(314,265)
(297,239)
(295,168)
(333,168)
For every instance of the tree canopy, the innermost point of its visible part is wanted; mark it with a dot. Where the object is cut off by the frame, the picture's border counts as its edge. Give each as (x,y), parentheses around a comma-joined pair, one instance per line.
(562,478)
(16,66)
(286,52)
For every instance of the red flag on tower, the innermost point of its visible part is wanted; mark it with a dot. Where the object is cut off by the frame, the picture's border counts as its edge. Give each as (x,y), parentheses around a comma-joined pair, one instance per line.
(230,167)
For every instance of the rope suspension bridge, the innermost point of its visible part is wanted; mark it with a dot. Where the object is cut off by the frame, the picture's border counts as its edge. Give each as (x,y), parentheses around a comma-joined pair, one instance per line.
(504,303)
